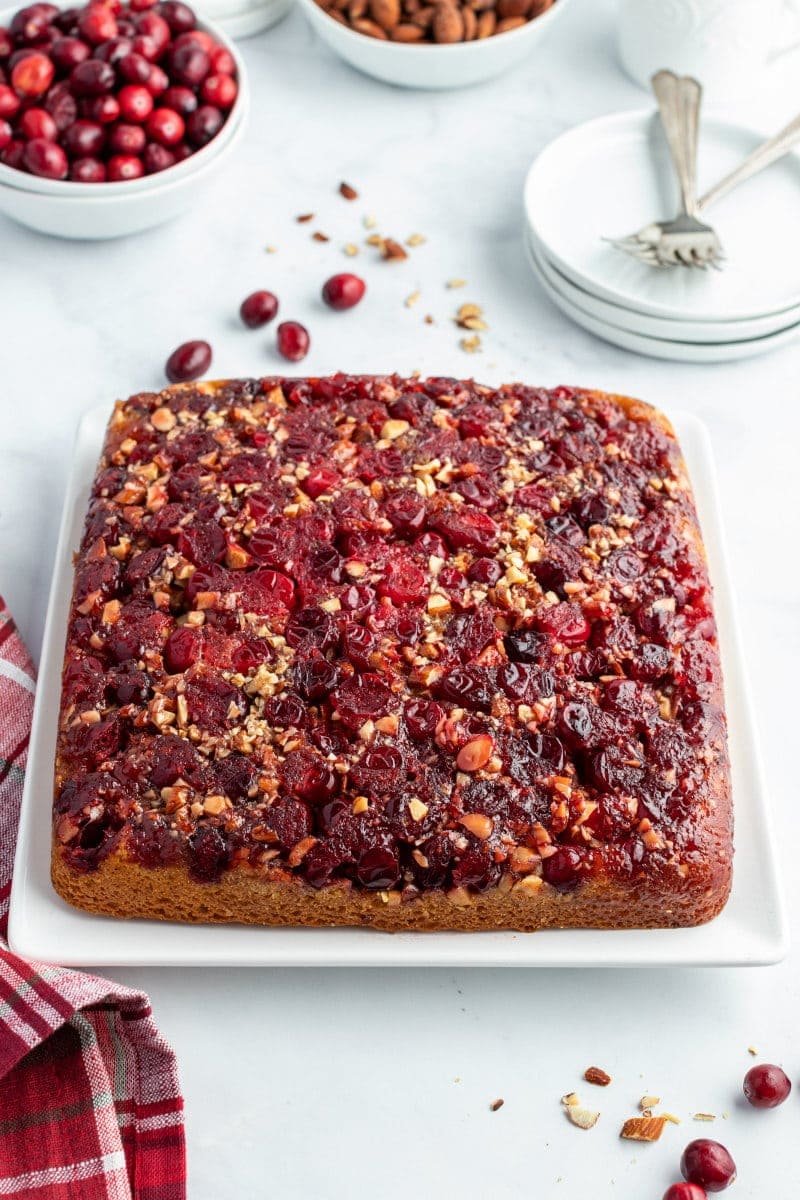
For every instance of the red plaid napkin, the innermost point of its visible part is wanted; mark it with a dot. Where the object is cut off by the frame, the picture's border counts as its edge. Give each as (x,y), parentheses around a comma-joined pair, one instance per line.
(90,1104)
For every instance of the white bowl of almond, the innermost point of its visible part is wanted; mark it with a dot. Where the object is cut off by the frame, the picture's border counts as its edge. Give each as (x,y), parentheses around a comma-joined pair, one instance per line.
(433,43)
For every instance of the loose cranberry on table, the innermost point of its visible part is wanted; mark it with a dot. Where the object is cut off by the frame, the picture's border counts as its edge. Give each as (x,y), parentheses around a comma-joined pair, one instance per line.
(258,309)
(709,1164)
(82,79)
(293,340)
(685,1191)
(766,1086)
(189,361)
(343,291)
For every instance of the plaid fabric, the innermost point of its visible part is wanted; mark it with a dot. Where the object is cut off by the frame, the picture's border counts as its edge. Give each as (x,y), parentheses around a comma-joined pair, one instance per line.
(90,1104)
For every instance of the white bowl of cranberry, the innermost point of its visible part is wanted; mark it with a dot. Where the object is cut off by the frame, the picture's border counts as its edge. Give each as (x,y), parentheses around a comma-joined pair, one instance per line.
(111,114)
(422,44)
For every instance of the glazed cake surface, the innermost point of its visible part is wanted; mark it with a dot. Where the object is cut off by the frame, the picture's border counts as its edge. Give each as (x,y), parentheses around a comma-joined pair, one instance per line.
(405,653)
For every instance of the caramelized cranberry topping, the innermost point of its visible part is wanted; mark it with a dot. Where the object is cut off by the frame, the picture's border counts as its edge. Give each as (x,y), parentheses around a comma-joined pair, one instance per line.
(398,635)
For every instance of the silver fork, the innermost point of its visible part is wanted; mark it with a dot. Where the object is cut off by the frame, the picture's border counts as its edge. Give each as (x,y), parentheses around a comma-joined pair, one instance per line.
(685,241)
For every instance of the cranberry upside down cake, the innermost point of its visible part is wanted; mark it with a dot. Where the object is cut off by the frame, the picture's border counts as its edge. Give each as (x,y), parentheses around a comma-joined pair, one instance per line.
(405,653)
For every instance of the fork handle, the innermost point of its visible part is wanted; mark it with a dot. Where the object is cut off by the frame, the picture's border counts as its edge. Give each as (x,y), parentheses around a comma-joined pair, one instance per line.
(679,104)
(763,156)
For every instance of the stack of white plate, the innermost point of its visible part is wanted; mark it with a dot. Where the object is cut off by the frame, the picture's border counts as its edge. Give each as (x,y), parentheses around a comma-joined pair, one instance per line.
(610,177)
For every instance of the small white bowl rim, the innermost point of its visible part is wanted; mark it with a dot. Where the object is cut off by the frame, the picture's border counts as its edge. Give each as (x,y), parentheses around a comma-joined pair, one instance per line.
(68,189)
(166,188)
(430,49)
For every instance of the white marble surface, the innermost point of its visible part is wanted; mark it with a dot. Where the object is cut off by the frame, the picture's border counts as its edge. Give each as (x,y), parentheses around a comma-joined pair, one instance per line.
(334,1084)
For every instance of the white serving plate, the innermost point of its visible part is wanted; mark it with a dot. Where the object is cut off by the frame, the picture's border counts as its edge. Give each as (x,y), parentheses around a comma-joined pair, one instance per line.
(674,350)
(750,931)
(661,327)
(611,176)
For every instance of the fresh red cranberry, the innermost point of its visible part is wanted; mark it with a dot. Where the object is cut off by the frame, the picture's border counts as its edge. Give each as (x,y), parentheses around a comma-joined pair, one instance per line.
(179,17)
(103,109)
(197,37)
(258,308)
(84,139)
(6,43)
(766,1086)
(37,123)
(709,1164)
(9,101)
(92,78)
(46,159)
(157,158)
(123,167)
(685,1191)
(203,125)
(126,139)
(114,50)
(189,361)
(293,339)
(14,153)
(189,64)
(135,103)
(134,68)
(222,61)
(343,291)
(6,134)
(145,46)
(88,170)
(152,26)
(29,25)
(96,24)
(139,6)
(165,127)
(181,99)
(67,52)
(158,81)
(220,90)
(32,76)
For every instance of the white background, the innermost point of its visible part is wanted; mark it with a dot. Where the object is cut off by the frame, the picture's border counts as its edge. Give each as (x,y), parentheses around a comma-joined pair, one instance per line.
(334,1084)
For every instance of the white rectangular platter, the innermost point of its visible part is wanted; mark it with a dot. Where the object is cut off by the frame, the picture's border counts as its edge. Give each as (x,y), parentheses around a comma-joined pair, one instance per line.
(750,931)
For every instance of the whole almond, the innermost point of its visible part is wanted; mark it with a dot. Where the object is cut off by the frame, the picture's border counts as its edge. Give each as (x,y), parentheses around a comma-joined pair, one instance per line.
(423,17)
(386,13)
(337,16)
(470,24)
(509,23)
(357,9)
(370,29)
(407,33)
(448,24)
(537,7)
(487,23)
(512,8)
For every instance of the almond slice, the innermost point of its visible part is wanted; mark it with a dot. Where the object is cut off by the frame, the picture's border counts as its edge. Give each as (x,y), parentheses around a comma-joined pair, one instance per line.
(643,1129)
(584,1118)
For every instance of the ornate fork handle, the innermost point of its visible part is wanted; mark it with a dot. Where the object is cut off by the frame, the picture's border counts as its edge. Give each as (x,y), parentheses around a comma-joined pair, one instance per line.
(679,103)
(763,156)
